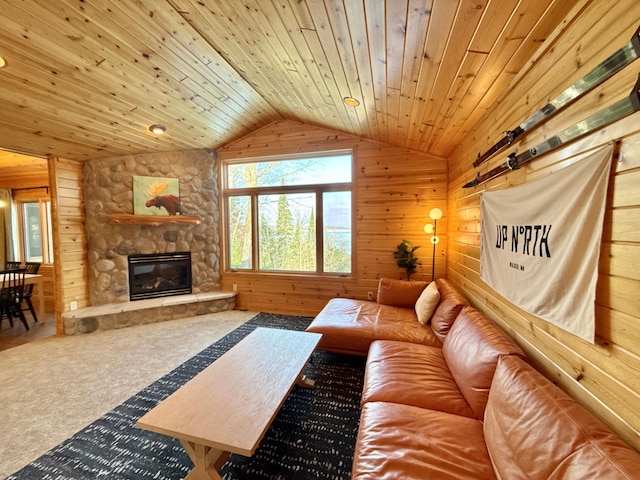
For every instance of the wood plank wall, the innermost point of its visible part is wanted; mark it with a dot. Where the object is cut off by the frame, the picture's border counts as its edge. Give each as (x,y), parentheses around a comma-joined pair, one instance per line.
(70,241)
(395,188)
(605,377)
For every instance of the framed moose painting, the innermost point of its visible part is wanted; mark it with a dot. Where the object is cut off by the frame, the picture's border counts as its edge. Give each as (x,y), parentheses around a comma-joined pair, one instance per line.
(156,196)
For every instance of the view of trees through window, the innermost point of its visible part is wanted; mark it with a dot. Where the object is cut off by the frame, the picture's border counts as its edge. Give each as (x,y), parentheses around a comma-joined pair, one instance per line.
(272,211)
(34,231)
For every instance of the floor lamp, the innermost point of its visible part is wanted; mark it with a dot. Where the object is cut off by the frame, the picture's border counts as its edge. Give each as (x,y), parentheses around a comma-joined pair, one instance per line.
(435,214)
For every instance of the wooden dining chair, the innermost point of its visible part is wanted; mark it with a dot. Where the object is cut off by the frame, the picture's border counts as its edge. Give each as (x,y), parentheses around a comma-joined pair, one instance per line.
(11,265)
(11,296)
(30,267)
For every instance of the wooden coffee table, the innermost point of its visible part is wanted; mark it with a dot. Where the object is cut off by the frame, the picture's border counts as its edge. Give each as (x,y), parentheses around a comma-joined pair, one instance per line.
(228,407)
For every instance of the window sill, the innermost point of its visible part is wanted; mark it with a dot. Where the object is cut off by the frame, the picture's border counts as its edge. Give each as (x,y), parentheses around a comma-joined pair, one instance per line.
(309,275)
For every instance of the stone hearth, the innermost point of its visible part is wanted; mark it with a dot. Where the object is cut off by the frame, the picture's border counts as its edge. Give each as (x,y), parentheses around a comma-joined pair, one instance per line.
(126,314)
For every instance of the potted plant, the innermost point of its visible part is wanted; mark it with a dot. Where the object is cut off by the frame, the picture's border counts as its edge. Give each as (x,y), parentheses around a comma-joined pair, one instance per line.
(406,258)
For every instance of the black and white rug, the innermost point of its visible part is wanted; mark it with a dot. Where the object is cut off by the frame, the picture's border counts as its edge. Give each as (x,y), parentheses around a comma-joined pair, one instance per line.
(312,437)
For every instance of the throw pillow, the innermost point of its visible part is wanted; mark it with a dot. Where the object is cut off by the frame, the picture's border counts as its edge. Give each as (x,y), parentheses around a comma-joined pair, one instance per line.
(427,303)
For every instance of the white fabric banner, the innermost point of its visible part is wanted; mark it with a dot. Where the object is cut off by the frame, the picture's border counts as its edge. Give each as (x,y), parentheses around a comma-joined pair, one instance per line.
(541,243)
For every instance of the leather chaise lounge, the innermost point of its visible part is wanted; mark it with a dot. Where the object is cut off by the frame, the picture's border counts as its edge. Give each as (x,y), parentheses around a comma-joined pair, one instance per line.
(349,326)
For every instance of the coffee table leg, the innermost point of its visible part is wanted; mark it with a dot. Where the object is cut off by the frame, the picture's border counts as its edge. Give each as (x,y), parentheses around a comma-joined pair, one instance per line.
(305,382)
(205,461)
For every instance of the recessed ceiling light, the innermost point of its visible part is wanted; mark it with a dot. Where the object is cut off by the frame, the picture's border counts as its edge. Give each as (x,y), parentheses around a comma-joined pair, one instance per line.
(352,102)
(3,62)
(157,129)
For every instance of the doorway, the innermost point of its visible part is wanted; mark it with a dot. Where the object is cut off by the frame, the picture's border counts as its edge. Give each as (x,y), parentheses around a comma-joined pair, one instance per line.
(25,236)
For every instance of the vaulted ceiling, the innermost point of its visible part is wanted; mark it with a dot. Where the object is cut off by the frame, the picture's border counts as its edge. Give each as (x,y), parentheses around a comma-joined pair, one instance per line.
(86,78)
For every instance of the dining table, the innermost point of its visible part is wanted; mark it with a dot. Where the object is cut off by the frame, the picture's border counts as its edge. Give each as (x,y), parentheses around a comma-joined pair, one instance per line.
(37,279)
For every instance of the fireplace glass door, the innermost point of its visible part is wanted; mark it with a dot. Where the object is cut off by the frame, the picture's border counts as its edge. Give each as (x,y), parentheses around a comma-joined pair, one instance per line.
(159,275)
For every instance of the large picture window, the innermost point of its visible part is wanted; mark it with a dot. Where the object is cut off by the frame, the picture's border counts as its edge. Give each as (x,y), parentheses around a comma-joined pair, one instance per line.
(290,214)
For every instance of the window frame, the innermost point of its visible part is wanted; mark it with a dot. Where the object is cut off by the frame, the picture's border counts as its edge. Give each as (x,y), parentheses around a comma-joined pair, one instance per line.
(255,192)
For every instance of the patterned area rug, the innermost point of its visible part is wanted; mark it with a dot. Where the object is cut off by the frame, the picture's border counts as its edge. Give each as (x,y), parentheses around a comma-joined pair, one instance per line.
(312,437)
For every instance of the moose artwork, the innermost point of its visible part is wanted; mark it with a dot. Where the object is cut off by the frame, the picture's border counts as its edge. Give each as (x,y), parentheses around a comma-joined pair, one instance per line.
(156,196)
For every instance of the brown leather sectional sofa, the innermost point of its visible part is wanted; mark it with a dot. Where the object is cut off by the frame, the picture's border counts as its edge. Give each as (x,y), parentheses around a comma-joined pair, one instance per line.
(468,406)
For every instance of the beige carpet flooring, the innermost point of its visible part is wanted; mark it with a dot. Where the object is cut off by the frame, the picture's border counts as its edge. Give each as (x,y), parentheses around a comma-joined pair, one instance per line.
(52,388)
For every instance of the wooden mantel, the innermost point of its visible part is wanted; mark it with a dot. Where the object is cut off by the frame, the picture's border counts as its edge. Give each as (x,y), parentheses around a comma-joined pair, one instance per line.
(153,220)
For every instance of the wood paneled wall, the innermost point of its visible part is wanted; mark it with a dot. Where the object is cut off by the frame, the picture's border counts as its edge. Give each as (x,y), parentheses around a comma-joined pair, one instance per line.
(395,188)
(48,287)
(605,377)
(70,241)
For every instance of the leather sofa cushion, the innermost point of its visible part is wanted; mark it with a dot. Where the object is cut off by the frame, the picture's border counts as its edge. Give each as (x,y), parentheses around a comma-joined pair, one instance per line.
(399,293)
(412,374)
(534,430)
(451,302)
(349,326)
(406,442)
(471,350)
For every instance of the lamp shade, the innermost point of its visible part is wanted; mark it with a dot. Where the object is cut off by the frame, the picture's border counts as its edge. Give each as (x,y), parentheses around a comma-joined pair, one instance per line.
(428,228)
(435,214)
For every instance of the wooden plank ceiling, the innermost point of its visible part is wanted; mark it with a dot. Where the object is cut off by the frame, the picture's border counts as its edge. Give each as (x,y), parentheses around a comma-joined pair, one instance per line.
(85,79)
(23,171)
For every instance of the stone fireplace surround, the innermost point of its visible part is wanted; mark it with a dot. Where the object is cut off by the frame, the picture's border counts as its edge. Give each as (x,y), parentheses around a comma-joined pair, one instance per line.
(108,189)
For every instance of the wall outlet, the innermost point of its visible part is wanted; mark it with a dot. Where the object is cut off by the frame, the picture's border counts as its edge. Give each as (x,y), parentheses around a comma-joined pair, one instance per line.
(73,305)
(235,287)
(369,295)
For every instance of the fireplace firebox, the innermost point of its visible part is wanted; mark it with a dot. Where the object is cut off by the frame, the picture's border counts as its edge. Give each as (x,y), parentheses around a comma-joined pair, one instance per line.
(159,275)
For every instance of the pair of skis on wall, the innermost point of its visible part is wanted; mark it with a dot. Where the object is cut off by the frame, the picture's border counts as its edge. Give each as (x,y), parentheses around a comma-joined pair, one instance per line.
(605,70)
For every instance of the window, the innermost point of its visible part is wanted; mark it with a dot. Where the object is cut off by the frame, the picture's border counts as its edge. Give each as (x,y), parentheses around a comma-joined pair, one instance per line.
(32,232)
(34,221)
(290,214)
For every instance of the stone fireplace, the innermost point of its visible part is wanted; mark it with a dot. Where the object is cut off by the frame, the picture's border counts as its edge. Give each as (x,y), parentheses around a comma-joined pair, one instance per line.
(108,191)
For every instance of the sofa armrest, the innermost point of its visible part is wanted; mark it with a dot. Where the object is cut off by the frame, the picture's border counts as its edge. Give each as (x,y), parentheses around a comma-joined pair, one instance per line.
(528,418)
